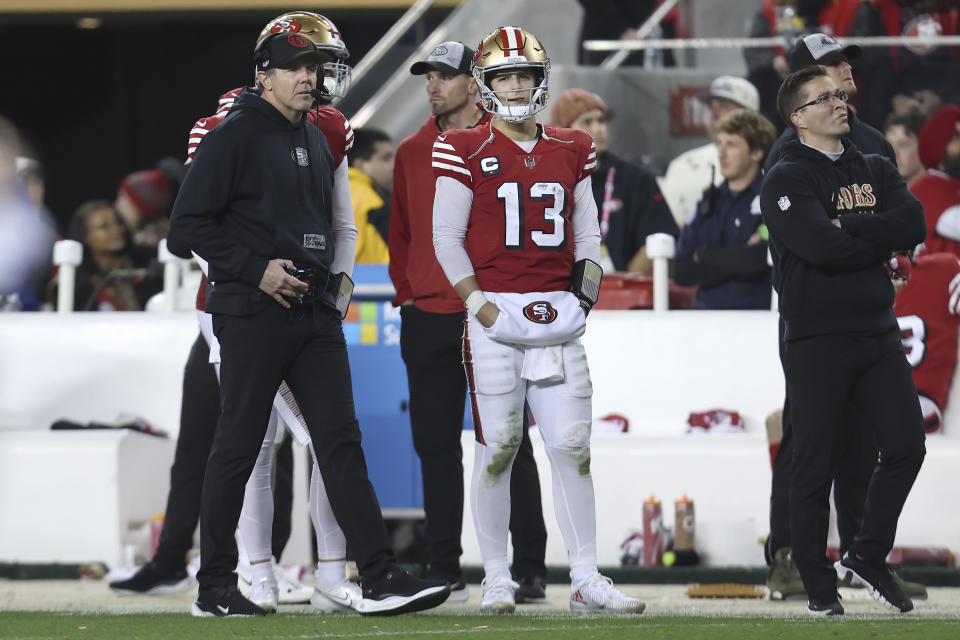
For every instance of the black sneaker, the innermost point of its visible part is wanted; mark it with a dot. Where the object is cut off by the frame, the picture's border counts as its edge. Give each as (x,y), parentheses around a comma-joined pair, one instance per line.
(222,602)
(531,590)
(879,580)
(152,580)
(824,607)
(845,578)
(396,592)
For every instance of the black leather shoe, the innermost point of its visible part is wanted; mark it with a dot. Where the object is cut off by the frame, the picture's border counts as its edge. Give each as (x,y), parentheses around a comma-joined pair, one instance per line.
(880,581)
(152,579)
(224,602)
(396,592)
(531,591)
(824,607)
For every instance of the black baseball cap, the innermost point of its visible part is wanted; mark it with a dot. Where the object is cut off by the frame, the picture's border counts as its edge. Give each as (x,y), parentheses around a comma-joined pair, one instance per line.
(447,57)
(819,48)
(282,49)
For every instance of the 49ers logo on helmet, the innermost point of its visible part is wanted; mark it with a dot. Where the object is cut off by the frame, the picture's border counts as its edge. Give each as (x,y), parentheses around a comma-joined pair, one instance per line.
(541,312)
(285,26)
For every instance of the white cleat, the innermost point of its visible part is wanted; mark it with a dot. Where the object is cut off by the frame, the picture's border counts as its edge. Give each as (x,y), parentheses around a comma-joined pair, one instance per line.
(291,591)
(343,596)
(597,594)
(459,592)
(265,594)
(499,595)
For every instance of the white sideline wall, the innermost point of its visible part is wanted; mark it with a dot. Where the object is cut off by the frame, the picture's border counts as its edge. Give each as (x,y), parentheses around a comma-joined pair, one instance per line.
(652,368)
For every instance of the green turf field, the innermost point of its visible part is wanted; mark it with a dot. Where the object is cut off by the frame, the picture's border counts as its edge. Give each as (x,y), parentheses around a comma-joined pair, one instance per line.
(54,626)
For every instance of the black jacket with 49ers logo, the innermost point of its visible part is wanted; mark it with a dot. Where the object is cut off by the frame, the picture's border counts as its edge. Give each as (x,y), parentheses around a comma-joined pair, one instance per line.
(259,188)
(832,279)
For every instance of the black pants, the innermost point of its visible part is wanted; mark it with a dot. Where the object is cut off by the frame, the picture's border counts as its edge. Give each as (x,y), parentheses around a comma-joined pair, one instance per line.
(827,377)
(309,352)
(431,345)
(199,412)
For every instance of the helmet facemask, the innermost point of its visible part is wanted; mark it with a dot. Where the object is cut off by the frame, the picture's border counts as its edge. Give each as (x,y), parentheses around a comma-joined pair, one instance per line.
(538,94)
(335,77)
(507,49)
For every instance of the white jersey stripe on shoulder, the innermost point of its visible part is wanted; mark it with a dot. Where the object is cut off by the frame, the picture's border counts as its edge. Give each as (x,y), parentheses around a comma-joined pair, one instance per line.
(450,167)
(592,155)
(346,123)
(447,156)
(199,131)
(194,141)
(589,166)
(444,145)
(348,146)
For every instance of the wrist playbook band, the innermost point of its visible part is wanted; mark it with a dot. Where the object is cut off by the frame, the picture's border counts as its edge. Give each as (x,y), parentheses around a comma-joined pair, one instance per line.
(475,301)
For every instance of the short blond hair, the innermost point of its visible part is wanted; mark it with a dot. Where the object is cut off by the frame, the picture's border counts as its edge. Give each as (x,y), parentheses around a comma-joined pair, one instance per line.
(752,127)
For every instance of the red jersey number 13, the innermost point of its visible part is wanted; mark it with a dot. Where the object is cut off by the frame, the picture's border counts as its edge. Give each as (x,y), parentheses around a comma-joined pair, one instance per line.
(555,212)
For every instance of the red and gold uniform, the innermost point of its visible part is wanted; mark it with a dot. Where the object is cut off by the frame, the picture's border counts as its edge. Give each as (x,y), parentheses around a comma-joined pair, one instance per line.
(927,309)
(520,236)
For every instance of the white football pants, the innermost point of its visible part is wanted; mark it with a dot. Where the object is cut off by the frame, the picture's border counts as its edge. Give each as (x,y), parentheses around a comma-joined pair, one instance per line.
(562,410)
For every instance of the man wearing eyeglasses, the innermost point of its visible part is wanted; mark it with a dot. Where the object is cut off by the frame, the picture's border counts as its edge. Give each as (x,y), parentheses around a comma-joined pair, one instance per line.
(835,216)
(823,50)
(852,477)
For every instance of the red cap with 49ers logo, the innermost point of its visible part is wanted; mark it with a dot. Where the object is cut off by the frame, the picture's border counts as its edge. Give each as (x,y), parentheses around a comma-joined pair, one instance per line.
(283,49)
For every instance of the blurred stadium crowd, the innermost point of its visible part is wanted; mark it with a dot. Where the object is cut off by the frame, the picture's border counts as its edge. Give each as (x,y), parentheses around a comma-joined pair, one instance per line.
(896,90)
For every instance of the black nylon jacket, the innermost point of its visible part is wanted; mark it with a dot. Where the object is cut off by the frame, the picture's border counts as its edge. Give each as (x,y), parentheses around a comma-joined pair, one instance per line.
(258,188)
(830,279)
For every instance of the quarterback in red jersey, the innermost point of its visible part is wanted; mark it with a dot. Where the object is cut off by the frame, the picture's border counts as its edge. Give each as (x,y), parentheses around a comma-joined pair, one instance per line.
(516,232)
(927,308)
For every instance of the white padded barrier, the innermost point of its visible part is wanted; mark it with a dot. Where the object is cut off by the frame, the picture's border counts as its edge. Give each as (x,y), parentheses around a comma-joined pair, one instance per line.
(654,368)
(80,496)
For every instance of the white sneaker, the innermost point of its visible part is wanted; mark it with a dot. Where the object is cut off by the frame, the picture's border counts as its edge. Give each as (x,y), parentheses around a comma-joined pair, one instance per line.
(265,594)
(343,596)
(291,591)
(499,595)
(459,592)
(597,593)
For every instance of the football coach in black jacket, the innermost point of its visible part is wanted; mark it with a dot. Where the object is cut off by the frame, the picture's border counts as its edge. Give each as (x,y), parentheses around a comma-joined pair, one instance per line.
(256,204)
(835,217)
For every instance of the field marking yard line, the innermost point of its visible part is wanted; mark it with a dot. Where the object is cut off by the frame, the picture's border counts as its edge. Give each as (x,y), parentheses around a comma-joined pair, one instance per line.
(436,632)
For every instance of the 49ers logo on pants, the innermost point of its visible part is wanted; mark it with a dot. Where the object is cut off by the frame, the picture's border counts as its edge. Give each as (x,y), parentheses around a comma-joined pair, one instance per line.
(541,312)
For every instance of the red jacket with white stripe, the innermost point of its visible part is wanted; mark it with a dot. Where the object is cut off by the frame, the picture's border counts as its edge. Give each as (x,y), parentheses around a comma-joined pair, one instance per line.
(414,269)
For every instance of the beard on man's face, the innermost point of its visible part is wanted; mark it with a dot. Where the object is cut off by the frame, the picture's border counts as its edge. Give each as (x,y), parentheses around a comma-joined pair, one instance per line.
(951,165)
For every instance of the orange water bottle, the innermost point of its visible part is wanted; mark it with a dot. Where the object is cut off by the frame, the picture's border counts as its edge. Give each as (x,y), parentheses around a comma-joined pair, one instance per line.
(684,523)
(653,539)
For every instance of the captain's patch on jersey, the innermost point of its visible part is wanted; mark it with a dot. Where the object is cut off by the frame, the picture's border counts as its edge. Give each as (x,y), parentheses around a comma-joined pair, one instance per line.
(314,241)
(541,312)
(784,203)
(490,166)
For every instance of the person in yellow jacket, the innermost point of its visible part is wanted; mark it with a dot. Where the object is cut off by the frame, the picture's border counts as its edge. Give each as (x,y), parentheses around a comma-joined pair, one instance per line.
(371,180)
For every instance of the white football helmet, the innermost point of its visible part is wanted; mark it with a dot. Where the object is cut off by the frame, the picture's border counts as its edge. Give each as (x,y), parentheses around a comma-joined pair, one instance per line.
(325,36)
(506,49)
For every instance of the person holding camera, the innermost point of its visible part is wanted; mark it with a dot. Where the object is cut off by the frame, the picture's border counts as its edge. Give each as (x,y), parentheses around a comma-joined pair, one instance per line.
(257,205)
